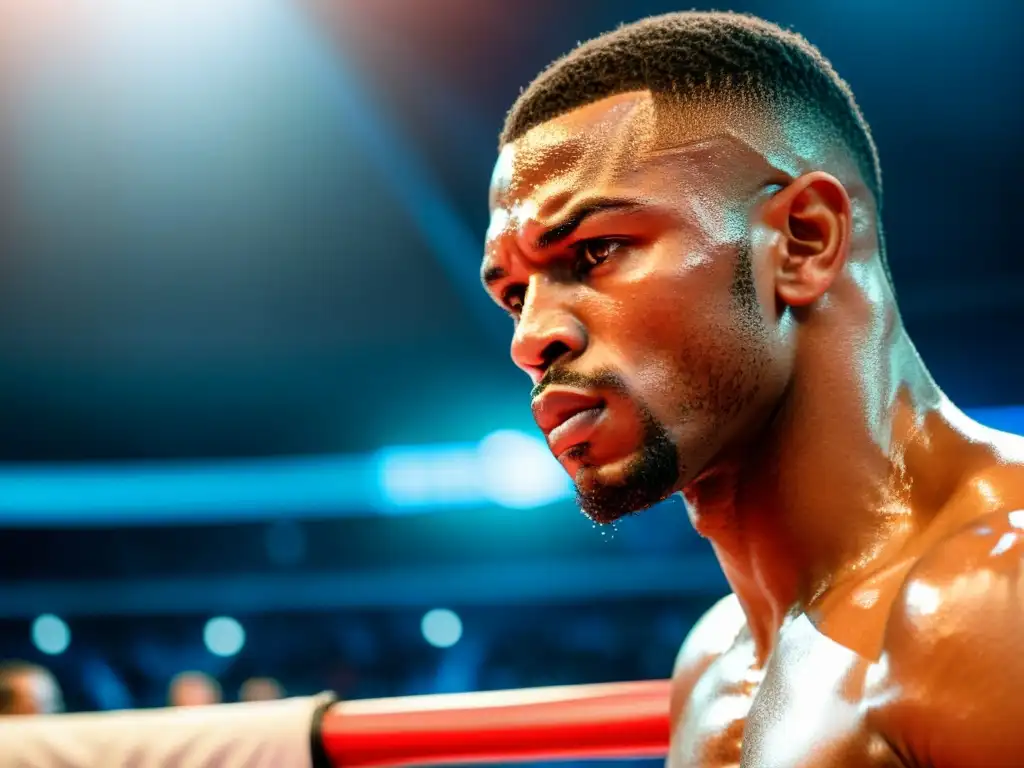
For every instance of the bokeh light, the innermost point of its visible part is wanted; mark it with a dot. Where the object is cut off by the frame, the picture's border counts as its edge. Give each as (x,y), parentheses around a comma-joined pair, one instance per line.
(223,636)
(50,634)
(441,628)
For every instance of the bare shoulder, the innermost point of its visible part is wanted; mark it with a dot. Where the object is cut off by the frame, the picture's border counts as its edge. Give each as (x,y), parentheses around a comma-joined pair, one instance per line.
(970,573)
(952,648)
(710,637)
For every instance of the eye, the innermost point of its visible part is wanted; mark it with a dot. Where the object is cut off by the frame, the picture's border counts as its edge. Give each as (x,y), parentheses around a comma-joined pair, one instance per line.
(594,253)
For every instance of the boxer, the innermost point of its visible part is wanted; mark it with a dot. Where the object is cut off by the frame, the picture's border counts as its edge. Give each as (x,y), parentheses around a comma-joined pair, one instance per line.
(686,232)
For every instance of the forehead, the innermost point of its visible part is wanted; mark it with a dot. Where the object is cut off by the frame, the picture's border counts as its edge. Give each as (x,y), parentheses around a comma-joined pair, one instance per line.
(582,147)
(698,159)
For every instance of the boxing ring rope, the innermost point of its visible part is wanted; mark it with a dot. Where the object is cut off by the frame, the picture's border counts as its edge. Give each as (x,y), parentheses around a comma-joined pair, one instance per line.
(585,722)
(629,720)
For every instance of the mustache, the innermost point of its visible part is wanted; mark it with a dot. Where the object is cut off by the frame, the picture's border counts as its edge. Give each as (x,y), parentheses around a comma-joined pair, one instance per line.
(604,379)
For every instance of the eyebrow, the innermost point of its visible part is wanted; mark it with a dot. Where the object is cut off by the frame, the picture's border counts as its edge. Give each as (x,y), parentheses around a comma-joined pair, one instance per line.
(560,232)
(563,230)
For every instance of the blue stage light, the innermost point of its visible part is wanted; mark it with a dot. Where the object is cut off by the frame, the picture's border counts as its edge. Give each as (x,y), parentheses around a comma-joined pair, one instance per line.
(223,636)
(441,627)
(50,634)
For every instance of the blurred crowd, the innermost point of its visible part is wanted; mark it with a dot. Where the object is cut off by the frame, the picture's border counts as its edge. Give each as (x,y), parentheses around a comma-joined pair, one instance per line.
(32,689)
(113,664)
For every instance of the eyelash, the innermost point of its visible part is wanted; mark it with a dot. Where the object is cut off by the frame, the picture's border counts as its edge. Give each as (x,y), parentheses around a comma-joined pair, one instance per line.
(582,266)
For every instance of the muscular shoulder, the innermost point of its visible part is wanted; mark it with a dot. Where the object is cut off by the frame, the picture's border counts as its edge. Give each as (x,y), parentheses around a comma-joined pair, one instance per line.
(965,588)
(710,637)
(952,647)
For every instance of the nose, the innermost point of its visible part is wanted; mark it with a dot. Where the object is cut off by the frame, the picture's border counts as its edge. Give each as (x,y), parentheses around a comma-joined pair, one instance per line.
(547,330)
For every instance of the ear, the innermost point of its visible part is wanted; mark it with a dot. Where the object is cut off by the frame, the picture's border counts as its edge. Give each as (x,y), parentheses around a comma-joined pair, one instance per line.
(812,215)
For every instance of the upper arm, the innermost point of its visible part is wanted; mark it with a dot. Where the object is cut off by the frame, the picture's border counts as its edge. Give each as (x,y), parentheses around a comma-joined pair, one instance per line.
(709,638)
(954,647)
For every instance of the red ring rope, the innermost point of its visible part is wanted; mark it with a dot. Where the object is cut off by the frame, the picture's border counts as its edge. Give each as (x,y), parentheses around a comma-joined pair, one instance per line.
(571,722)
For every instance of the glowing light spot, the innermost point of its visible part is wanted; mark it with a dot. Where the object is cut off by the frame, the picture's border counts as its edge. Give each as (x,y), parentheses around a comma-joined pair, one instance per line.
(50,634)
(441,628)
(876,676)
(223,636)
(923,599)
(1006,541)
(518,471)
(429,476)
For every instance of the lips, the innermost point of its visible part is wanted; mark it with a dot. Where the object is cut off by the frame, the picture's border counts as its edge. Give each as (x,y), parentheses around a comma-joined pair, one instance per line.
(567,417)
(574,430)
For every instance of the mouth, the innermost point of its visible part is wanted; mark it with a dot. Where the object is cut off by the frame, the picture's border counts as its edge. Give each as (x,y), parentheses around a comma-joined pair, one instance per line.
(567,417)
(575,430)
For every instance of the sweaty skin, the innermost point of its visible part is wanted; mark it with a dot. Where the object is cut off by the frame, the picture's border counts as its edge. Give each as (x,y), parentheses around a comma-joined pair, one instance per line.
(698,299)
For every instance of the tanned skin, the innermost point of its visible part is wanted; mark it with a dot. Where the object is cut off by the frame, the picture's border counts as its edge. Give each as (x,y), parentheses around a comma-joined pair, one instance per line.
(699,318)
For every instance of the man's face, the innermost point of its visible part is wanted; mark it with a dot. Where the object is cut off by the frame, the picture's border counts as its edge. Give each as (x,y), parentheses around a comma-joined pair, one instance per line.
(623,249)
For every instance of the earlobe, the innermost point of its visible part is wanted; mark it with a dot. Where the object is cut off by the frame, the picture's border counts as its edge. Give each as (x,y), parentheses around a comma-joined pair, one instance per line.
(812,218)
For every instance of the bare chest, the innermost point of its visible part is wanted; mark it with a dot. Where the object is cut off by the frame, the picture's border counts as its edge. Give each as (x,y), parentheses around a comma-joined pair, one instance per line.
(804,709)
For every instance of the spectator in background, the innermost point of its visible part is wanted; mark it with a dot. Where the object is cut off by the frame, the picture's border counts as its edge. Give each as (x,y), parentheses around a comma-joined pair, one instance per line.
(28,689)
(260,689)
(193,689)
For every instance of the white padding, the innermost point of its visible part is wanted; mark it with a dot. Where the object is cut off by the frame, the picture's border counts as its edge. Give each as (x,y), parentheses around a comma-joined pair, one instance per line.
(273,734)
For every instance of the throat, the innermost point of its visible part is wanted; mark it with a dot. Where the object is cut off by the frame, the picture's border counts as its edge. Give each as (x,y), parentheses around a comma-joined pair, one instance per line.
(834,489)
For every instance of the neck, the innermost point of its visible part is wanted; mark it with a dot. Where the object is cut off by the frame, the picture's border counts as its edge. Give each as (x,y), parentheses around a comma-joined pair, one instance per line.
(826,495)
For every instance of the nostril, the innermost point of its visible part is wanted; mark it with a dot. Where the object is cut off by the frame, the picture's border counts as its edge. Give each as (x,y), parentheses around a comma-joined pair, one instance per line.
(552,352)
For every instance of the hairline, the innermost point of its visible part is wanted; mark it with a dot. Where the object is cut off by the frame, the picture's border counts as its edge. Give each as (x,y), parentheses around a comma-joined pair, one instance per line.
(736,91)
(777,152)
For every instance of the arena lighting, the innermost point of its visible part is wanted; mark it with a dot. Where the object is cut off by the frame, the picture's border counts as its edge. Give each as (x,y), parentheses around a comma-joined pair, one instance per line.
(223,636)
(506,469)
(50,635)
(441,627)
(518,471)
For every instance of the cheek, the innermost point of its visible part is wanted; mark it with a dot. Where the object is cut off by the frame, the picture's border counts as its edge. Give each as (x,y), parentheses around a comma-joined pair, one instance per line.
(686,341)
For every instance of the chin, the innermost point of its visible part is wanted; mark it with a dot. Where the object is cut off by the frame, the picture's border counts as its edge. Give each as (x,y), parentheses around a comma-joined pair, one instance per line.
(613,481)
(601,517)
(613,472)
(605,505)
(609,492)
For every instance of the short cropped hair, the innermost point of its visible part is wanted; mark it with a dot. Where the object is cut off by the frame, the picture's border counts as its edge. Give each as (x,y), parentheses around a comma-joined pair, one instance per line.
(696,54)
